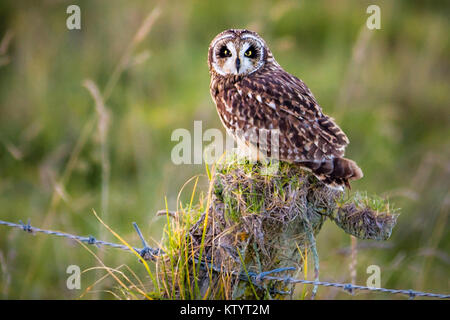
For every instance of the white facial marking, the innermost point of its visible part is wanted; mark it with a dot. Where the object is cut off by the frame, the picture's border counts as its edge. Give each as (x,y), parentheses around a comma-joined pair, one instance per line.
(247,64)
(230,62)
(229,67)
(214,64)
(221,38)
(260,48)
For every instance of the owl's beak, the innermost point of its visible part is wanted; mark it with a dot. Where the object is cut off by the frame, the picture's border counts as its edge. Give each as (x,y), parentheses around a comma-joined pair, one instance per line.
(238,64)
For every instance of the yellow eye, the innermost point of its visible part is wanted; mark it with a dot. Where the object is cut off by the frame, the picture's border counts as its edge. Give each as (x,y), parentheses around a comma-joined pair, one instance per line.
(248,53)
(224,52)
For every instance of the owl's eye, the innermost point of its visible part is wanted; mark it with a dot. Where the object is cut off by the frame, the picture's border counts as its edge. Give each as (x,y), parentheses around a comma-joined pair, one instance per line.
(224,52)
(251,52)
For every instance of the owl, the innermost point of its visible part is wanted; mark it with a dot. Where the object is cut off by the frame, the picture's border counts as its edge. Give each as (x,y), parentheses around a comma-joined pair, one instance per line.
(255,97)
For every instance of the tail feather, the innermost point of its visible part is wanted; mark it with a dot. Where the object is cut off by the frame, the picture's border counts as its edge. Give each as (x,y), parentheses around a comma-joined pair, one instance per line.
(335,172)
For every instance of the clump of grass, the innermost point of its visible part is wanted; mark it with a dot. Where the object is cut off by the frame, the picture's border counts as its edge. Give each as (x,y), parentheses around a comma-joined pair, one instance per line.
(366,217)
(252,221)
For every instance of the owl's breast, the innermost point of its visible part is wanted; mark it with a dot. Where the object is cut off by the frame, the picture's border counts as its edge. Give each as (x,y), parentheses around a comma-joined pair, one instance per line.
(238,108)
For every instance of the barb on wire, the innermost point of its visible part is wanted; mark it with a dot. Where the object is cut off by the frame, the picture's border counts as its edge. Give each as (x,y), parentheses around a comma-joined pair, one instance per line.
(149,253)
(89,240)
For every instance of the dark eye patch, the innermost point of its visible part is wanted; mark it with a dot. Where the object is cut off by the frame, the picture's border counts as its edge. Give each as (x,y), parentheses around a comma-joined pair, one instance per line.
(224,52)
(251,52)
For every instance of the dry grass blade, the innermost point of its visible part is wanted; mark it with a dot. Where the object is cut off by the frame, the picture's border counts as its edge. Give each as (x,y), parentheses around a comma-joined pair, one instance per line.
(129,247)
(112,273)
(124,62)
(117,270)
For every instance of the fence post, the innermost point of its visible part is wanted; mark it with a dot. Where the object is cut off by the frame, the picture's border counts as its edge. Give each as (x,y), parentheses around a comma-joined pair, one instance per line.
(258,223)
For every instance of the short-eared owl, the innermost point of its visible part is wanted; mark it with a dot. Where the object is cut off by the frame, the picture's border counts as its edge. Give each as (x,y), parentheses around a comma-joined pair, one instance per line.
(253,93)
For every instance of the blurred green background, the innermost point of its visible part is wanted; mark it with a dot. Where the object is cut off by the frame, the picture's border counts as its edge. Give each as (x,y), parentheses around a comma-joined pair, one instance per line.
(388,89)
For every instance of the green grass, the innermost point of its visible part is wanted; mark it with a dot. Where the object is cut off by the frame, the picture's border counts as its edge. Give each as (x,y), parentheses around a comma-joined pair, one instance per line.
(375,202)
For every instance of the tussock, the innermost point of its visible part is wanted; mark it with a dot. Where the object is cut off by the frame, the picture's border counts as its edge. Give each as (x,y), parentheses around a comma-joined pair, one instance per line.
(259,222)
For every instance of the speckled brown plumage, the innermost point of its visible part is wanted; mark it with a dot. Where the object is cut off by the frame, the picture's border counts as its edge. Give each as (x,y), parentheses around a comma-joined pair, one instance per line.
(265,97)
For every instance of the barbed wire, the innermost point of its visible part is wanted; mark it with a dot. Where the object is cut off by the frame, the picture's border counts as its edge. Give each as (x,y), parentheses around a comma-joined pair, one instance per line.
(149,253)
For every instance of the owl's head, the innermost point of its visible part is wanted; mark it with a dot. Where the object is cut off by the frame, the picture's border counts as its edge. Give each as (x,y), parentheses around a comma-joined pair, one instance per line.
(237,52)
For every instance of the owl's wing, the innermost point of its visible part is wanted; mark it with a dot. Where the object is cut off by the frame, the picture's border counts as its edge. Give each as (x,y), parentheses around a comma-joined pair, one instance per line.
(281,101)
